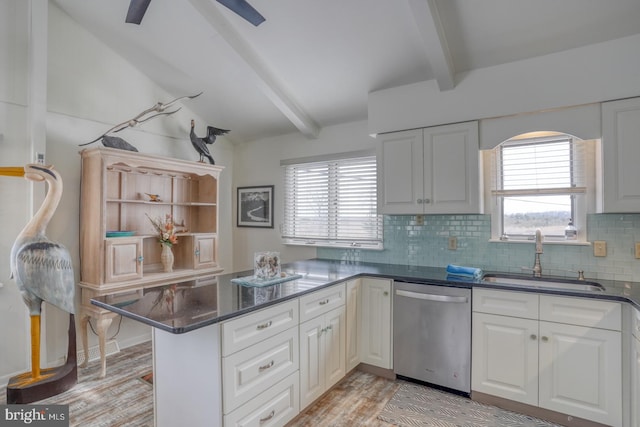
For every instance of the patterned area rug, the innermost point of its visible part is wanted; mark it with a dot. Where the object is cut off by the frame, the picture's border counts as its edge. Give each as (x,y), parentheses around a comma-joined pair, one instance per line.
(415,405)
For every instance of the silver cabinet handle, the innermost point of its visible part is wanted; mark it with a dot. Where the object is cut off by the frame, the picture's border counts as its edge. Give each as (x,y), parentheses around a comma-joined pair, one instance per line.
(419,201)
(431,297)
(197,252)
(264,325)
(544,339)
(323,302)
(533,337)
(328,328)
(385,293)
(140,258)
(268,417)
(267,366)
(427,201)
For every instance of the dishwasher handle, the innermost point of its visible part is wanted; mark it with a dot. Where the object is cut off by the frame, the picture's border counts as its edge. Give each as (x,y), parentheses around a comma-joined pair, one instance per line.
(431,297)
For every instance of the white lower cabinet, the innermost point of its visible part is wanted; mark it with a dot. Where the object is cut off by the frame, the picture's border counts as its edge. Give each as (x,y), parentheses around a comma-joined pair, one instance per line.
(376,343)
(635,369)
(572,367)
(353,308)
(260,367)
(581,372)
(255,369)
(505,357)
(275,408)
(322,354)
(322,341)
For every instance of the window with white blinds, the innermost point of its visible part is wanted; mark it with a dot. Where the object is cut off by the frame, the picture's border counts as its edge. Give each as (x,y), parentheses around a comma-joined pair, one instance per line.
(332,203)
(536,182)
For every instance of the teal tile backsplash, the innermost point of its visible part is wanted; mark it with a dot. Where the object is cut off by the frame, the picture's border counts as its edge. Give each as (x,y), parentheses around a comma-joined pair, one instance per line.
(407,243)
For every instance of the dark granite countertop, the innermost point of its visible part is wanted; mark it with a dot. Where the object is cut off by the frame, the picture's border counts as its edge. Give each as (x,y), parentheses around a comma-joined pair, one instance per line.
(189,305)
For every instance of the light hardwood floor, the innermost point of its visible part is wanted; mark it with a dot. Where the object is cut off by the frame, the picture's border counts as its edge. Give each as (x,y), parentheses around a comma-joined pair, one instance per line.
(355,401)
(123,399)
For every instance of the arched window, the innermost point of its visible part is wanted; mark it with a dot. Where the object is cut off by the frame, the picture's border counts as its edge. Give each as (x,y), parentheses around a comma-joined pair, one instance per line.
(540,180)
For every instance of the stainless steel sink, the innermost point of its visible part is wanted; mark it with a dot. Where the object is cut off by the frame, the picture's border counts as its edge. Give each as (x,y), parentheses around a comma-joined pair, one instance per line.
(555,283)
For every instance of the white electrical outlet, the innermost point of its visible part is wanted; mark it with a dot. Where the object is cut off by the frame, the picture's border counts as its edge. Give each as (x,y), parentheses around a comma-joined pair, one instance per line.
(453,243)
(599,248)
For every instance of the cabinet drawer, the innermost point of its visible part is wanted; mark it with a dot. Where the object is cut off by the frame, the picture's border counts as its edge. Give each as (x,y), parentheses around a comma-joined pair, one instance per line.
(322,301)
(275,407)
(244,331)
(581,311)
(251,371)
(506,303)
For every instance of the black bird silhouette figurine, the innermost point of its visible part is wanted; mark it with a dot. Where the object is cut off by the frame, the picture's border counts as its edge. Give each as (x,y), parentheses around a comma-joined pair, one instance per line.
(117,142)
(213,133)
(200,144)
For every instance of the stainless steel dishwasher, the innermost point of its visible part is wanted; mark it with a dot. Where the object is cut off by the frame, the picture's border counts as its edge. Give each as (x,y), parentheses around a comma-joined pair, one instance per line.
(432,334)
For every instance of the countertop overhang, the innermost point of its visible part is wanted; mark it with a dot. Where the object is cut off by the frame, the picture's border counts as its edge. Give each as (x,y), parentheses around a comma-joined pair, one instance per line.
(193,304)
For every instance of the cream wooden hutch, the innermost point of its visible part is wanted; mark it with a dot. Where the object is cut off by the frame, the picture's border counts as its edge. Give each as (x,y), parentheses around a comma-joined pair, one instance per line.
(119,248)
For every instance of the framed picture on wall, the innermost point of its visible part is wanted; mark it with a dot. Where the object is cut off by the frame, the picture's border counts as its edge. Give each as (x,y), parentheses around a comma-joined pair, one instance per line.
(255,206)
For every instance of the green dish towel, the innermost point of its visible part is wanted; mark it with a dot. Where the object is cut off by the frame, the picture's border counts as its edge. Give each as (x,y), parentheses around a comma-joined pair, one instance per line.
(254,281)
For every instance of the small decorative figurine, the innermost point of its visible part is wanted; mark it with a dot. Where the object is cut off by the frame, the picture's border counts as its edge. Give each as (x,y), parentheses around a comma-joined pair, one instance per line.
(266,265)
(140,118)
(116,142)
(200,144)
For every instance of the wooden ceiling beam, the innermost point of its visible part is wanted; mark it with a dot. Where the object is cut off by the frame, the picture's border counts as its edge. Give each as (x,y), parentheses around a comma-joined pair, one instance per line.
(264,77)
(427,18)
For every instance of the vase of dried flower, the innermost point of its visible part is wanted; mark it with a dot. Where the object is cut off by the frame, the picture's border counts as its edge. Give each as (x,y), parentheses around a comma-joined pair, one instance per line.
(166,258)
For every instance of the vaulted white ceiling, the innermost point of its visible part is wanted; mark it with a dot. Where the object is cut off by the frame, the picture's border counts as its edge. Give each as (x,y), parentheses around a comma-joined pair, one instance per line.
(313,62)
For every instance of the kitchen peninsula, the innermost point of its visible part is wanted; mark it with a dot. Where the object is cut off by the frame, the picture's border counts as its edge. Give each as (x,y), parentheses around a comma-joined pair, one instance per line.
(215,342)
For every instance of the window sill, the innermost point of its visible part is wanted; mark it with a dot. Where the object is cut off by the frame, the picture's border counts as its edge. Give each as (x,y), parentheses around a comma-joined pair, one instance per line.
(546,242)
(333,244)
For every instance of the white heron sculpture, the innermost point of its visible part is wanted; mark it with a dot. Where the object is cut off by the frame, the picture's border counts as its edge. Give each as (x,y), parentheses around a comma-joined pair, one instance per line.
(43,271)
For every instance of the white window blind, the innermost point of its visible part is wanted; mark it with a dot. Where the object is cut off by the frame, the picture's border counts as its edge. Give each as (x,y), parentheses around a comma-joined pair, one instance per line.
(332,203)
(535,182)
(541,167)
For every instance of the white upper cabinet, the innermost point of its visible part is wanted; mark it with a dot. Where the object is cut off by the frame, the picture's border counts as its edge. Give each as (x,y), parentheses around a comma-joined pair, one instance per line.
(430,171)
(620,154)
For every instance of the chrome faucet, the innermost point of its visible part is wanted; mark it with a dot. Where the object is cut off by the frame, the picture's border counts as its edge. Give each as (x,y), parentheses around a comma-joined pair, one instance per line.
(537,267)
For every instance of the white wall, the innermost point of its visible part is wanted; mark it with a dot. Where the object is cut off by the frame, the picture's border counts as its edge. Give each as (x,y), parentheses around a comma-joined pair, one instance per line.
(15,193)
(576,77)
(258,163)
(595,73)
(89,89)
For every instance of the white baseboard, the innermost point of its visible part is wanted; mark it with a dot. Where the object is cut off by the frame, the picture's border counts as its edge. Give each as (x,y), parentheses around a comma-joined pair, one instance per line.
(111,347)
(138,339)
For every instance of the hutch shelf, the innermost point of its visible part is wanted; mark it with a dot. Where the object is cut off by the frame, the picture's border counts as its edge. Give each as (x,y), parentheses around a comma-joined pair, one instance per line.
(119,248)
